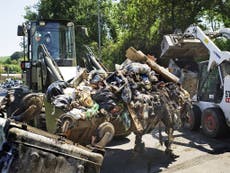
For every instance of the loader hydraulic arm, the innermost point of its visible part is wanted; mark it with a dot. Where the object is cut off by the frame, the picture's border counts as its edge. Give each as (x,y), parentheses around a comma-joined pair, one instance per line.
(225,32)
(216,56)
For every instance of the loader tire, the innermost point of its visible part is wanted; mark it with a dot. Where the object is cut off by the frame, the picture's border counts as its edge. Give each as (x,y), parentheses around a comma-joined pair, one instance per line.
(213,122)
(29,108)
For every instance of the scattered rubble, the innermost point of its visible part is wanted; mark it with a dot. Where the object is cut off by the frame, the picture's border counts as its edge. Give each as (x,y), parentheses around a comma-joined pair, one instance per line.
(138,95)
(94,107)
(10,83)
(21,151)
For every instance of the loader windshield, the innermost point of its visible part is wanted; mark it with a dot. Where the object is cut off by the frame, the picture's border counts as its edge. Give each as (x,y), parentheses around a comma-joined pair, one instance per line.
(56,36)
(209,88)
(225,68)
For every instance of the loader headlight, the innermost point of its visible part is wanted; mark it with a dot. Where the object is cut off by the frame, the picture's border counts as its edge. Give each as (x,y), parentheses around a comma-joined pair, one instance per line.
(42,23)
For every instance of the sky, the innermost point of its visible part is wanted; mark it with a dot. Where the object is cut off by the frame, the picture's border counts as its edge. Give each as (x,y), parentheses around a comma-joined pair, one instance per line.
(11,15)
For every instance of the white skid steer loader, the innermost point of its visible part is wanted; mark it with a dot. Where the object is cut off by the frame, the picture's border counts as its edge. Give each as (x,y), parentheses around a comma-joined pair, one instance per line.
(211,104)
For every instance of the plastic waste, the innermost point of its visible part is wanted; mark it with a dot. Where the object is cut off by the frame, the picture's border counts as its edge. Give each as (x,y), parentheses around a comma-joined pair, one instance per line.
(126,120)
(55,89)
(152,76)
(92,111)
(105,99)
(145,112)
(62,101)
(138,68)
(126,94)
(71,92)
(77,113)
(146,82)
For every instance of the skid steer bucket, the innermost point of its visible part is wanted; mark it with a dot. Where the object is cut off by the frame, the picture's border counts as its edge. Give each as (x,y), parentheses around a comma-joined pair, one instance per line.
(175,46)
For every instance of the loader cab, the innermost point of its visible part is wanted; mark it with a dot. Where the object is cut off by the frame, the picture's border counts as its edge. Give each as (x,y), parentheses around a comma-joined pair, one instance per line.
(211,84)
(58,37)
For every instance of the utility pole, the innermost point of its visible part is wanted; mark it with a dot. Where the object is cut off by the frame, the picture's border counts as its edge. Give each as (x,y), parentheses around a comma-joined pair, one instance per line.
(99,29)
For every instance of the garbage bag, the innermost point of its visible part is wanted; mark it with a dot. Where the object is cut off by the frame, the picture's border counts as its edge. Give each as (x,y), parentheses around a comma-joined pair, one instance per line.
(62,101)
(55,89)
(126,94)
(138,68)
(105,99)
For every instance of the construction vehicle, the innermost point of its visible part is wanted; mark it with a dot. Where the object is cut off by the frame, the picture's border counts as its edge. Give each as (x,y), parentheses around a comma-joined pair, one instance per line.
(28,149)
(51,56)
(51,53)
(211,108)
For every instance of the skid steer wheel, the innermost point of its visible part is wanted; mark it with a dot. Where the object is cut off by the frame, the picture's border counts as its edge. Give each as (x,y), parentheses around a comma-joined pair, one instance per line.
(193,121)
(104,134)
(213,122)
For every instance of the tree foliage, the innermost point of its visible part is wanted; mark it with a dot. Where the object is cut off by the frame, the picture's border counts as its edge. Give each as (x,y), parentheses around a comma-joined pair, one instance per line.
(16,55)
(9,65)
(137,23)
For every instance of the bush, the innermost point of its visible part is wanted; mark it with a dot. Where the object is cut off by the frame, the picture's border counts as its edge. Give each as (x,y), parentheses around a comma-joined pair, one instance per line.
(16,55)
(11,68)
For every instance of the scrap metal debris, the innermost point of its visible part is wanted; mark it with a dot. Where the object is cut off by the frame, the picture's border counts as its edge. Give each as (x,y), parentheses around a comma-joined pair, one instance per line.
(139,93)
(95,107)
(28,149)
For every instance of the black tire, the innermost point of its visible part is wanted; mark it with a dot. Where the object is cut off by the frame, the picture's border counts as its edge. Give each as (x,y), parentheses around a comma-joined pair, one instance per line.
(17,95)
(213,122)
(194,119)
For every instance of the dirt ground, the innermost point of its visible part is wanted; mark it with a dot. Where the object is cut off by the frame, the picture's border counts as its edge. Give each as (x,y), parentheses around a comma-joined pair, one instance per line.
(197,154)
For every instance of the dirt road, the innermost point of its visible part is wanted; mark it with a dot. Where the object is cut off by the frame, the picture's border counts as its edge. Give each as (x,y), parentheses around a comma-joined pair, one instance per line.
(197,154)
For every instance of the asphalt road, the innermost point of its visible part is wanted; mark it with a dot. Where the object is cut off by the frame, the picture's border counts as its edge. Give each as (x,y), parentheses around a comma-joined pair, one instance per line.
(197,154)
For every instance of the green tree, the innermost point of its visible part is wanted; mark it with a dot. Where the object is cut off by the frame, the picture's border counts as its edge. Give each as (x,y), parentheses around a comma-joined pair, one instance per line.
(16,55)
(138,23)
(82,13)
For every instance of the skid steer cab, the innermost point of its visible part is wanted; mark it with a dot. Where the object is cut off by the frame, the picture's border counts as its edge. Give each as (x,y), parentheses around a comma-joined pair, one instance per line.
(211,110)
(211,102)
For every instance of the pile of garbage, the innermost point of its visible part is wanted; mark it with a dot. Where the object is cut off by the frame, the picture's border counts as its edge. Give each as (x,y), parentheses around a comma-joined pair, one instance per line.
(138,90)
(10,83)
(187,71)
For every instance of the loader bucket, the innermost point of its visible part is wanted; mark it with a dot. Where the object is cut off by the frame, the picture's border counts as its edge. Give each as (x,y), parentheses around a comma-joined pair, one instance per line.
(28,149)
(174,46)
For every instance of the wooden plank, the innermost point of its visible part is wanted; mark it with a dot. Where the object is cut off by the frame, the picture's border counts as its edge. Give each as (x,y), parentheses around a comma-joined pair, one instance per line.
(135,119)
(139,56)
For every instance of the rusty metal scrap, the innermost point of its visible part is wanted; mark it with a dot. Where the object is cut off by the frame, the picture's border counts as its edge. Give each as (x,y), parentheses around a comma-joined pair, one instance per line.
(28,149)
(92,109)
(139,86)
